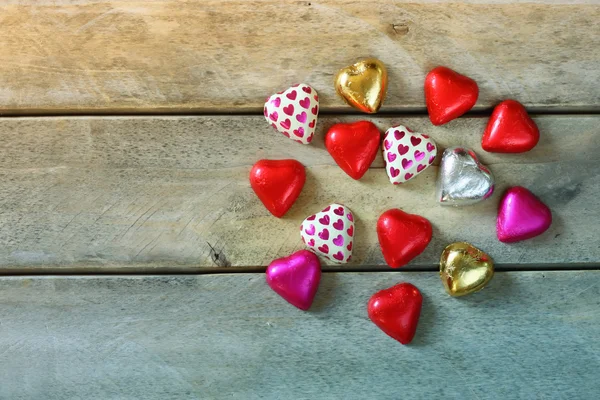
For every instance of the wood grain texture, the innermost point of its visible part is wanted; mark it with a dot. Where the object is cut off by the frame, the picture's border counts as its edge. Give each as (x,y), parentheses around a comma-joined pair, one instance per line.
(66,56)
(125,193)
(528,335)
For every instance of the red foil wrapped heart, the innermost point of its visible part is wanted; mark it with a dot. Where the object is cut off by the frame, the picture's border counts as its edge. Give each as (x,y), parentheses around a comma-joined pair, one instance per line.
(448,94)
(277,183)
(510,129)
(402,236)
(353,146)
(396,311)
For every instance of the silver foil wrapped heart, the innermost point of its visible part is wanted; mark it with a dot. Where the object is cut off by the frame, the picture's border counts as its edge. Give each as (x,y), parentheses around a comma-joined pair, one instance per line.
(462,179)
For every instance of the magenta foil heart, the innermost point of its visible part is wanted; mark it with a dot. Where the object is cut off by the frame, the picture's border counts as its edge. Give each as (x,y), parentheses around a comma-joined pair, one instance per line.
(295,278)
(521,216)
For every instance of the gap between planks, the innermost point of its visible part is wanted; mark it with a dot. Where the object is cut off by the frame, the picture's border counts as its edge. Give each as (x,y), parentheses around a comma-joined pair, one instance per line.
(187,270)
(240,112)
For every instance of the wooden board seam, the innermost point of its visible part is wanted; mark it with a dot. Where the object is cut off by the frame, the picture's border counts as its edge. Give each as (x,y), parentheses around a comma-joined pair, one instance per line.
(254,111)
(150,271)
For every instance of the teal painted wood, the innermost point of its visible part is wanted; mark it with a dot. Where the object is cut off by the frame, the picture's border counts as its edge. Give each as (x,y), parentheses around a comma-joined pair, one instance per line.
(528,335)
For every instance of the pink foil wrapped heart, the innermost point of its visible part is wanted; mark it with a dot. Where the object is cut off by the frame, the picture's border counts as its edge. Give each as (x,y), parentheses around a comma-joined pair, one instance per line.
(295,278)
(521,216)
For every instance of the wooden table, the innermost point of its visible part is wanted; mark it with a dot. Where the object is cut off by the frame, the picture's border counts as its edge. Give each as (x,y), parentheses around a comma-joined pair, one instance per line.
(128,133)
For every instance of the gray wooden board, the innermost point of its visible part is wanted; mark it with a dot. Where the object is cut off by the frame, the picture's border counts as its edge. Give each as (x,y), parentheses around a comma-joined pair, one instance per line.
(118,194)
(528,335)
(76,56)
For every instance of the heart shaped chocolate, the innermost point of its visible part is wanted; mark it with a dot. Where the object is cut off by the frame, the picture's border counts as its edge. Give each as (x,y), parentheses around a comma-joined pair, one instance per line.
(510,129)
(396,311)
(462,179)
(353,146)
(465,269)
(330,233)
(363,85)
(448,94)
(277,183)
(521,216)
(406,153)
(295,278)
(402,236)
(294,112)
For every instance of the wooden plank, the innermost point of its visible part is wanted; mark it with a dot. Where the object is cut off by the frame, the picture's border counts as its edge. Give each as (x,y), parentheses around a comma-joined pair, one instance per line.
(220,142)
(66,56)
(117,194)
(527,335)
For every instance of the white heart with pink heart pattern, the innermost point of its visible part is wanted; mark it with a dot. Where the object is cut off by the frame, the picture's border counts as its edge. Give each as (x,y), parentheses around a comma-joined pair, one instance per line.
(294,112)
(330,233)
(406,153)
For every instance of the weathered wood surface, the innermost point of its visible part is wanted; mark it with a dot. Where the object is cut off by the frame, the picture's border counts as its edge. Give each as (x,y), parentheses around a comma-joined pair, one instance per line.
(126,193)
(528,335)
(70,56)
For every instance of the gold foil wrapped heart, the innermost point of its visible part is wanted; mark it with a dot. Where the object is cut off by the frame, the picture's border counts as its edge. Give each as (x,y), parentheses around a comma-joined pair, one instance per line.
(363,85)
(465,269)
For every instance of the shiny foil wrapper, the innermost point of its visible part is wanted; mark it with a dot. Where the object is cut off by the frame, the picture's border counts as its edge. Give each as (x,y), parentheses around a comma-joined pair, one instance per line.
(363,85)
(521,216)
(465,269)
(462,179)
